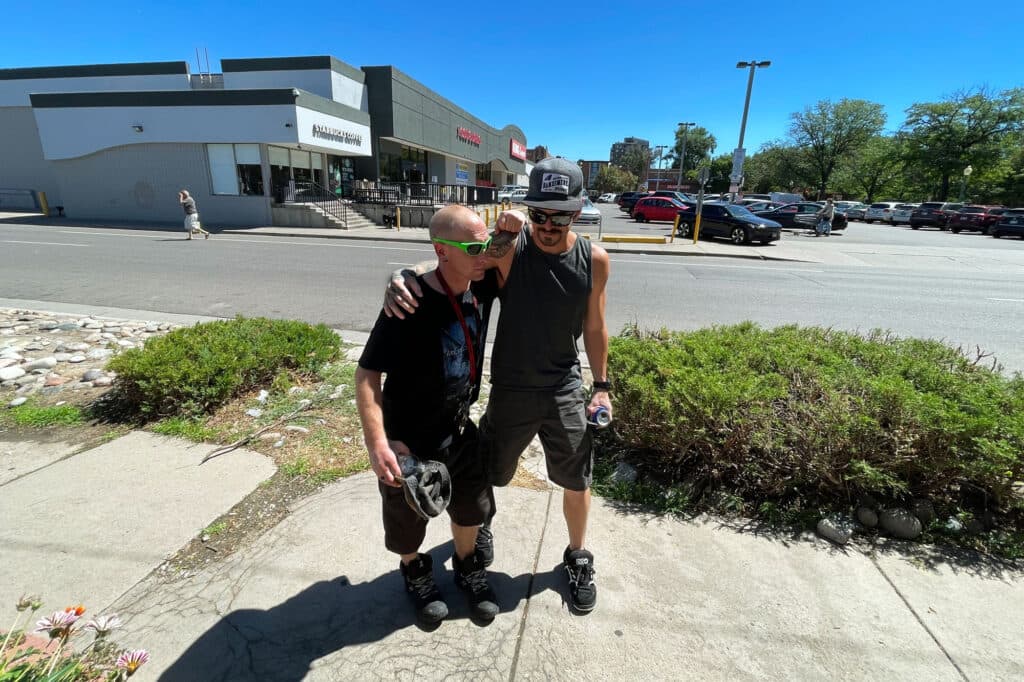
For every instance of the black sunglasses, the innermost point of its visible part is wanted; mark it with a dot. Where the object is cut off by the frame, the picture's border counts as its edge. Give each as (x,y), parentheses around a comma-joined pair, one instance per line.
(557,219)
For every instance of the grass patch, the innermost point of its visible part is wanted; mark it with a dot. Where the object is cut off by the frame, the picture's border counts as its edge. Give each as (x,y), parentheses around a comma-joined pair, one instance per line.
(38,416)
(184,427)
(216,528)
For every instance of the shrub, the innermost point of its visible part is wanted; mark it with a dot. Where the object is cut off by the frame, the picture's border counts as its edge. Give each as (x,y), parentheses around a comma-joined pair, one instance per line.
(192,370)
(809,416)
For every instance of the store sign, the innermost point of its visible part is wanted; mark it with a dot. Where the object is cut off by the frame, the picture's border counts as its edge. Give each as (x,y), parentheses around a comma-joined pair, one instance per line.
(467,135)
(336,135)
(461,173)
(517,149)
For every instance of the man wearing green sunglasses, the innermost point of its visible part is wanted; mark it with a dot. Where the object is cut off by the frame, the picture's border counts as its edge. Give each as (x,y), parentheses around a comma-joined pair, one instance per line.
(552,293)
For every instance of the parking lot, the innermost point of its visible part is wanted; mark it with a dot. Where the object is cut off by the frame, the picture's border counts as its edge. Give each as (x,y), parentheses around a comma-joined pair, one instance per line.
(616,221)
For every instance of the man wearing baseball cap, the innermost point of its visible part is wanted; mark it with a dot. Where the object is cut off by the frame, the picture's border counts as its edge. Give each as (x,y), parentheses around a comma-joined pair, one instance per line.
(552,291)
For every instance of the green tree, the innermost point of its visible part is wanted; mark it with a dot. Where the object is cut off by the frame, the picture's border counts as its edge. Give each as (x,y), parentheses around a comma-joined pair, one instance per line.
(636,161)
(778,167)
(614,179)
(874,169)
(830,132)
(968,128)
(699,144)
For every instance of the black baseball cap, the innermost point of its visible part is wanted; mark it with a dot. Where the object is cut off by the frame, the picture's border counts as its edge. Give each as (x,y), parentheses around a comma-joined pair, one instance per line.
(555,184)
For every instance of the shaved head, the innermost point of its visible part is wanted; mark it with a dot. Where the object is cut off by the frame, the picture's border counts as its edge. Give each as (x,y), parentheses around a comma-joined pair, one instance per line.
(457,223)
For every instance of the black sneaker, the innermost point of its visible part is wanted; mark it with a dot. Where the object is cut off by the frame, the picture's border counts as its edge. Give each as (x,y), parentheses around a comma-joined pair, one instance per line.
(579,564)
(471,577)
(485,544)
(419,583)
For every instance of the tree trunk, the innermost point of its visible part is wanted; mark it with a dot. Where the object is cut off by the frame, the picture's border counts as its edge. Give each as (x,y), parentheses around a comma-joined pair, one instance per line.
(944,188)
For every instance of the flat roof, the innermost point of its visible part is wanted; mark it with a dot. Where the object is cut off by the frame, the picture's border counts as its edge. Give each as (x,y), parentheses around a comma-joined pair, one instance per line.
(199,98)
(292,64)
(86,70)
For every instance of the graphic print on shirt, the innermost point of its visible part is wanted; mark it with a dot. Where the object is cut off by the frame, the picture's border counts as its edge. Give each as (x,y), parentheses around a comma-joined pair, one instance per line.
(455,364)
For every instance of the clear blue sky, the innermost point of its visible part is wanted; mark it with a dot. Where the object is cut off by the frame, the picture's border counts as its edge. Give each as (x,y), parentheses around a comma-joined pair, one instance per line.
(575,77)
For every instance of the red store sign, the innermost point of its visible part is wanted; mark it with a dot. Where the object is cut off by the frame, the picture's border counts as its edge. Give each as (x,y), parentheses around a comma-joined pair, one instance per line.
(517,149)
(467,135)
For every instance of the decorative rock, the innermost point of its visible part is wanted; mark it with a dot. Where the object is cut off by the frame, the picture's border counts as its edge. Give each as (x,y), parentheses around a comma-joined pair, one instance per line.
(47,326)
(296,429)
(624,473)
(75,359)
(92,374)
(296,389)
(35,345)
(10,373)
(61,357)
(270,435)
(67,327)
(108,336)
(835,528)
(98,354)
(76,347)
(27,379)
(55,380)
(305,402)
(953,526)
(7,362)
(93,324)
(111,330)
(17,401)
(10,354)
(279,443)
(254,412)
(41,363)
(125,343)
(152,327)
(92,338)
(900,523)
(262,397)
(924,511)
(867,517)
(103,381)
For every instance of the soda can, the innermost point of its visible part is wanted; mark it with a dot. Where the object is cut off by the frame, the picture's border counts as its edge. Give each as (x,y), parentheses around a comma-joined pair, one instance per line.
(600,417)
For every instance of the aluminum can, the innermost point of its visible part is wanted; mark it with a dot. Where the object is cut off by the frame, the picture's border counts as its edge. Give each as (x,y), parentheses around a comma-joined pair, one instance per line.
(600,418)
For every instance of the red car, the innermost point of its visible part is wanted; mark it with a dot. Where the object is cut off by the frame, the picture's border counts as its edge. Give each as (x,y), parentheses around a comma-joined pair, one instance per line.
(978,218)
(657,208)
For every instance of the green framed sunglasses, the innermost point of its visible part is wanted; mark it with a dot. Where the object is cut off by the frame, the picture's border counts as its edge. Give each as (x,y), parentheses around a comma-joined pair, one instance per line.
(471,248)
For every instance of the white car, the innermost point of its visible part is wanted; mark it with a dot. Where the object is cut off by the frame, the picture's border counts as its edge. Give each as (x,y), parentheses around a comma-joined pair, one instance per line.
(607,198)
(517,196)
(506,191)
(881,211)
(901,214)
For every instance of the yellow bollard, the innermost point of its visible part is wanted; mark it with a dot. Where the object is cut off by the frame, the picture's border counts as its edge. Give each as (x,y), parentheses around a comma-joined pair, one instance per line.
(487,216)
(43,205)
(696,229)
(398,218)
(675,228)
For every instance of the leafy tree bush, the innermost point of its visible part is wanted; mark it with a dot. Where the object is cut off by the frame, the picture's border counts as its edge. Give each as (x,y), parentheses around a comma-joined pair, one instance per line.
(802,417)
(192,370)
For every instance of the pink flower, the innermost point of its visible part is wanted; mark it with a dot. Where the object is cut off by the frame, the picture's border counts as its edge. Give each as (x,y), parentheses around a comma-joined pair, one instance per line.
(102,625)
(58,624)
(131,660)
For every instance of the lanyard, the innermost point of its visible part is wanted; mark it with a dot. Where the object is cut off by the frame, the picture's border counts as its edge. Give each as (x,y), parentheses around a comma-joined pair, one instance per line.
(470,346)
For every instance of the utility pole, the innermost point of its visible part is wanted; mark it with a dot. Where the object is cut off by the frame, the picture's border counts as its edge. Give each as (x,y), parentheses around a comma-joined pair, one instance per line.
(736,177)
(682,156)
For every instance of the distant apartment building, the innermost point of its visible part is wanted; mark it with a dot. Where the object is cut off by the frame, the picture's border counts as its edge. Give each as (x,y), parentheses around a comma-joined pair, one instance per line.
(591,169)
(619,149)
(538,153)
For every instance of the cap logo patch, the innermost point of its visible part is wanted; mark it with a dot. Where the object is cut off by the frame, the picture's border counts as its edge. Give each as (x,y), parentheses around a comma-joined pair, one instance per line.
(555,183)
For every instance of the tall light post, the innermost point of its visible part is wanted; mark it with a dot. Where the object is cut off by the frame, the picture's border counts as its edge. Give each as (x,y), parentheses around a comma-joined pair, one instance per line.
(963,182)
(682,156)
(737,156)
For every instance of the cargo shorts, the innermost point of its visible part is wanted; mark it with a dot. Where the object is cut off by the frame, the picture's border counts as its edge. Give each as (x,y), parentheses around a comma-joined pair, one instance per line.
(559,418)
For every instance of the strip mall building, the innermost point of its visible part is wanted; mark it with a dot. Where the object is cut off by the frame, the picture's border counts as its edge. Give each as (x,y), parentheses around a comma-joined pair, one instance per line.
(117,141)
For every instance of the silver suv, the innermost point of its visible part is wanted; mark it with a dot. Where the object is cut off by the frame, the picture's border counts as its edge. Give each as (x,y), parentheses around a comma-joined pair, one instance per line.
(881,211)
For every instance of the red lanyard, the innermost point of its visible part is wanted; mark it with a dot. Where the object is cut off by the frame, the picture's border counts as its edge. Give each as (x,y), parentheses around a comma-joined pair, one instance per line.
(470,346)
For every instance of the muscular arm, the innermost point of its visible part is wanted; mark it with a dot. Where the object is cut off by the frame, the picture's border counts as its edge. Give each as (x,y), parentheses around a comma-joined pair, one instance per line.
(370,402)
(595,328)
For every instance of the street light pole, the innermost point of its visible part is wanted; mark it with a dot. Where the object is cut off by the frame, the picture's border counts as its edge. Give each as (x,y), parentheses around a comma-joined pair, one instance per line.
(737,157)
(682,156)
(963,182)
(661,154)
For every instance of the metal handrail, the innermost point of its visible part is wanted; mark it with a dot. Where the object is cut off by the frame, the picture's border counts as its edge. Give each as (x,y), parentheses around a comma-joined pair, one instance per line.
(424,193)
(310,192)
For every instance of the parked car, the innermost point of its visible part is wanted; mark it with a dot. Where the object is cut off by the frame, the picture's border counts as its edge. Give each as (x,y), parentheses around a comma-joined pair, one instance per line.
(801,216)
(505,192)
(628,199)
(755,205)
(901,214)
(671,194)
(975,218)
(657,209)
(728,220)
(607,198)
(855,211)
(881,211)
(589,214)
(1011,224)
(518,195)
(933,213)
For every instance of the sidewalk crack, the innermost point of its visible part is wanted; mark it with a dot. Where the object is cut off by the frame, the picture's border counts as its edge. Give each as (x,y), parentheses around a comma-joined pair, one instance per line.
(529,591)
(920,620)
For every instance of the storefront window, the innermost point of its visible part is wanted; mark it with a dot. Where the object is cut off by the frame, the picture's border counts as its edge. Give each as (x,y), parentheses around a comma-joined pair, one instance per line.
(235,169)
(408,165)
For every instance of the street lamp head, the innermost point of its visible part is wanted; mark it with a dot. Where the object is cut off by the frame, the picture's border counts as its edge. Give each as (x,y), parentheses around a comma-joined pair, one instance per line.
(744,65)
(764,64)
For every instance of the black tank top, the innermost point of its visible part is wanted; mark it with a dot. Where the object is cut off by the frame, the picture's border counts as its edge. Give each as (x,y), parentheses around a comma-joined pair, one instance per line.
(543,304)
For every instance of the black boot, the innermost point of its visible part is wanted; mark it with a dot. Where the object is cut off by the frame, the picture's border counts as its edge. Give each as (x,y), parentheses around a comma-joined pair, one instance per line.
(471,578)
(579,564)
(419,583)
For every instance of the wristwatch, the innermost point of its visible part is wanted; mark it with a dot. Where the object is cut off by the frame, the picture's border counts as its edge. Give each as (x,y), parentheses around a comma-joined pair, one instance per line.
(602,385)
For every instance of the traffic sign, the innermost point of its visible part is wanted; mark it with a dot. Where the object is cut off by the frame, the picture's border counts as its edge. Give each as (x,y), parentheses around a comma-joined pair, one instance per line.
(703,175)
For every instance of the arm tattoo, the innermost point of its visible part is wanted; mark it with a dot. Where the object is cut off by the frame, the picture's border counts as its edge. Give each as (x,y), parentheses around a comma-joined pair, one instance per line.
(501,243)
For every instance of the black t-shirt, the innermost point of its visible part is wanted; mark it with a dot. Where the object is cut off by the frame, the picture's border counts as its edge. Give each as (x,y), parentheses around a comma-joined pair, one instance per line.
(427,389)
(189,205)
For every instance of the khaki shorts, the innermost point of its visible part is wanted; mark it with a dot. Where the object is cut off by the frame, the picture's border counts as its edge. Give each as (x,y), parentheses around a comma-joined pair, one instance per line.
(513,418)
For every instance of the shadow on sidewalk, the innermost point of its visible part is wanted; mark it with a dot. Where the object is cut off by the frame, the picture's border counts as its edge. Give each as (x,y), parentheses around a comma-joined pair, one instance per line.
(282,643)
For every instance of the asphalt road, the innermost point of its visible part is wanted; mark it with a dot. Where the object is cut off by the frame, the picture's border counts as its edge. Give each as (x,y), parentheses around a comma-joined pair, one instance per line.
(339,282)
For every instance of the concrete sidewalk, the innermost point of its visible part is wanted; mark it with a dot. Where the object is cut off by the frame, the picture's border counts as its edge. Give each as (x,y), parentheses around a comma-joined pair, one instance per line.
(317,597)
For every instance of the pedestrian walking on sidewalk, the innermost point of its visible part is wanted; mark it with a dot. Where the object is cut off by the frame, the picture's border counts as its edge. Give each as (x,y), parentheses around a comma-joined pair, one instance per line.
(192,225)
(552,291)
(433,363)
(825,216)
